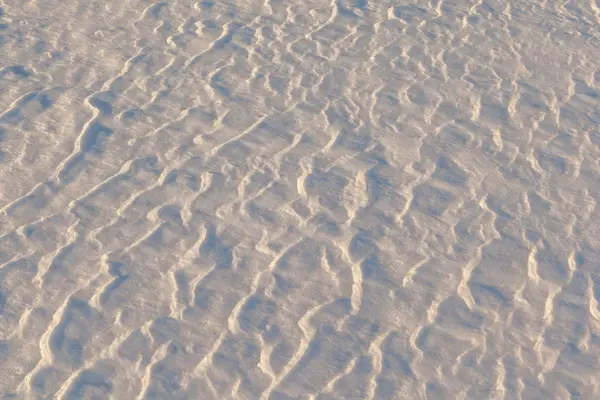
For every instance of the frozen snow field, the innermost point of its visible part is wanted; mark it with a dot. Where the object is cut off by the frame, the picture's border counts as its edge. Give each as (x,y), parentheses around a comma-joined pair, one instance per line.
(299,199)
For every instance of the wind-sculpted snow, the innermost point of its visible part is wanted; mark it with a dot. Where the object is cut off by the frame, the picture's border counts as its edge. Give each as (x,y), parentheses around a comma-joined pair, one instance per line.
(346,199)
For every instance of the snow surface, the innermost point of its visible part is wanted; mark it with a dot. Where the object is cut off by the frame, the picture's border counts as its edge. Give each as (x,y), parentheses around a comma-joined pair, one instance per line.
(300,199)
